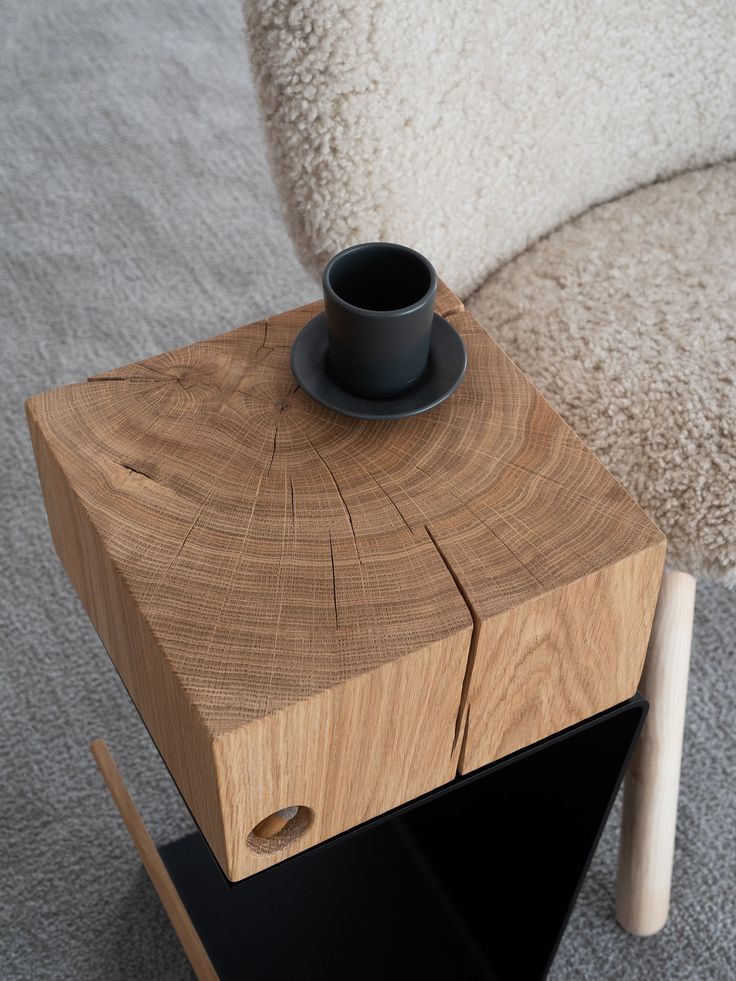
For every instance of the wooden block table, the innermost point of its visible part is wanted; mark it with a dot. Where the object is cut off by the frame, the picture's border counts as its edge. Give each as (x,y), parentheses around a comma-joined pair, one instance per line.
(333,615)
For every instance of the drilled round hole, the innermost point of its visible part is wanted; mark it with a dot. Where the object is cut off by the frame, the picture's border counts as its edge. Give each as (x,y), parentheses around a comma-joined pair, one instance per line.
(279,829)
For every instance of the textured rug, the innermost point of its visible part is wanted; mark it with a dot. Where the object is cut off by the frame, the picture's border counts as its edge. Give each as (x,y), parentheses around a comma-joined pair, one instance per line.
(138,213)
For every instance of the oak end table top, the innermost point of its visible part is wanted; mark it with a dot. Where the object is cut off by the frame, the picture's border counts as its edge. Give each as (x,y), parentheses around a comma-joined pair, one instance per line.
(335,613)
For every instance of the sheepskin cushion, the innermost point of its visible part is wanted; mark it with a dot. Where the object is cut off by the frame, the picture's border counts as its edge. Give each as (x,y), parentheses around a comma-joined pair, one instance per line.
(468,129)
(626,319)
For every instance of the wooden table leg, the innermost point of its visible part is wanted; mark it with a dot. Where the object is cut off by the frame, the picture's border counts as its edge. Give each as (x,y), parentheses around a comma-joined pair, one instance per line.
(151,859)
(652,783)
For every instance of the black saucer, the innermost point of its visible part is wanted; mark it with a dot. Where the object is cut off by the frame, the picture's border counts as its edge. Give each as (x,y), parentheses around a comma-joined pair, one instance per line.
(445,370)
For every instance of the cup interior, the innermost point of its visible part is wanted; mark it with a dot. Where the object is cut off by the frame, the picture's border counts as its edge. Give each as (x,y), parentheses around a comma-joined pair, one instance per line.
(380,277)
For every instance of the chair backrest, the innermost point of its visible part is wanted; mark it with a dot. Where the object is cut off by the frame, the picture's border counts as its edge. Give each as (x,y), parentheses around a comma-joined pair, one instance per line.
(469,128)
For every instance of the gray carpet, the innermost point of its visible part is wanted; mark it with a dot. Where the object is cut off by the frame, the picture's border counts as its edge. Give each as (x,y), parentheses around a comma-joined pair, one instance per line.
(138,213)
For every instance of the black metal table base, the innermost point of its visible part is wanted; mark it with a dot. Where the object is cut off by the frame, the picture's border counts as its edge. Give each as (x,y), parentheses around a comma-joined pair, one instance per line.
(475,880)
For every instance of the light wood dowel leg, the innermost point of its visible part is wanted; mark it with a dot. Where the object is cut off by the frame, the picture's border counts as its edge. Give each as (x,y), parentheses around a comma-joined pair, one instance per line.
(153,863)
(652,782)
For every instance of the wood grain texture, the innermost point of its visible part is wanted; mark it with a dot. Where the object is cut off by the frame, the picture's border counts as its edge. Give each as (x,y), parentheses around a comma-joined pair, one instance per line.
(335,613)
(153,863)
(566,654)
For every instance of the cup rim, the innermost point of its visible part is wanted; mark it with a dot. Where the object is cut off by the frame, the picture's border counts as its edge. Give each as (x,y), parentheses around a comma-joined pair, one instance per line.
(366,311)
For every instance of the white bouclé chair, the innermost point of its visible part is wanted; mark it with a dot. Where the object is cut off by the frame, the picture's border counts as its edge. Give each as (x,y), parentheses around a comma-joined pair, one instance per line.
(565,166)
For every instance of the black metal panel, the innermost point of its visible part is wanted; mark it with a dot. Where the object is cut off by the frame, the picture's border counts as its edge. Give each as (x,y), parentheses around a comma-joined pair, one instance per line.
(473,881)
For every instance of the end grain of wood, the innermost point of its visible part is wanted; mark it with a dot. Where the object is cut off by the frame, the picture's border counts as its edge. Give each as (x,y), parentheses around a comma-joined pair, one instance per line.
(337,613)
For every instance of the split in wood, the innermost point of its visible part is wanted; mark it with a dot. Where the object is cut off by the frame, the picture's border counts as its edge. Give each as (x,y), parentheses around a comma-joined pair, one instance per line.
(306,607)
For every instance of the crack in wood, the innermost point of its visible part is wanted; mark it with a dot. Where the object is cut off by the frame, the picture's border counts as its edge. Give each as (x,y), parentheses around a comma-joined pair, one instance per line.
(469,664)
(597,505)
(124,451)
(247,661)
(263,345)
(273,448)
(340,494)
(470,510)
(382,489)
(463,743)
(503,541)
(334,584)
(129,378)
(228,588)
(390,499)
(132,469)
(202,507)
(282,591)
(453,311)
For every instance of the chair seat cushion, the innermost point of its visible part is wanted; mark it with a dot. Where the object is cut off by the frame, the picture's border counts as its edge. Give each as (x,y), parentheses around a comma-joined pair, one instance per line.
(626,319)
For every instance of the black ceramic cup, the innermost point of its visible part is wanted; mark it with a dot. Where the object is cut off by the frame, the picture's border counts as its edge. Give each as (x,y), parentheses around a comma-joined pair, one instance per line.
(379,306)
